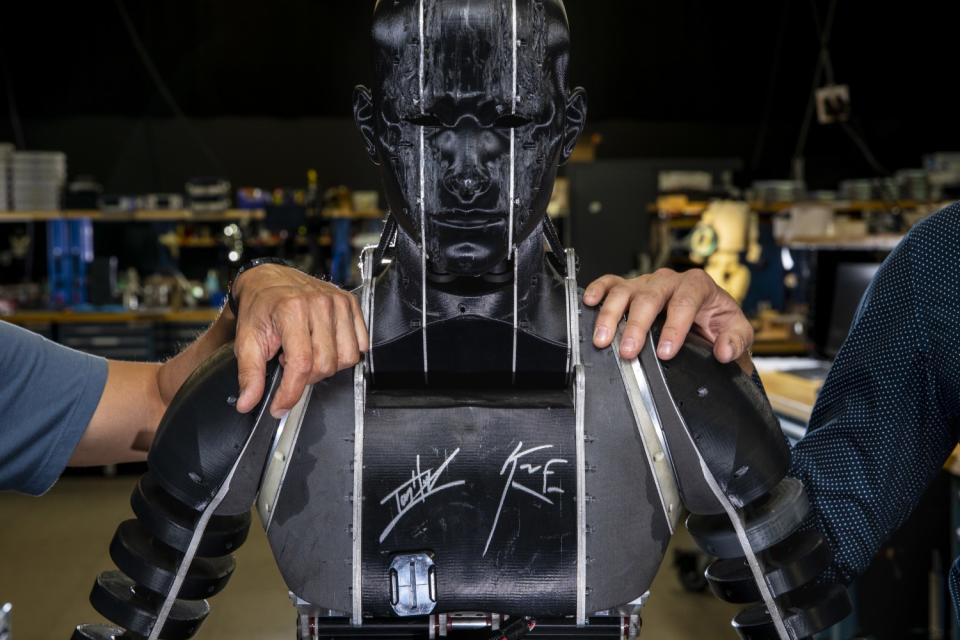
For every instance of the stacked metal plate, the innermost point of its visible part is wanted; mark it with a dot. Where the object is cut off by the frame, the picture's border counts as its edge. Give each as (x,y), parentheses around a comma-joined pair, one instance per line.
(777,190)
(38,179)
(6,150)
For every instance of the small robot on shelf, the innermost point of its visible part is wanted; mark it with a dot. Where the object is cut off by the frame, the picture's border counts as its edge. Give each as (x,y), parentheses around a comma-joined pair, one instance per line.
(726,230)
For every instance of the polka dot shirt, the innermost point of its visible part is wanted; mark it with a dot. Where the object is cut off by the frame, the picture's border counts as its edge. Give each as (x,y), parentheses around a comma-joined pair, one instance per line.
(886,418)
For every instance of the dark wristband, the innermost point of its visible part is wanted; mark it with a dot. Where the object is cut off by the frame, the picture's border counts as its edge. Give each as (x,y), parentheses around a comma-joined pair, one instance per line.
(256,262)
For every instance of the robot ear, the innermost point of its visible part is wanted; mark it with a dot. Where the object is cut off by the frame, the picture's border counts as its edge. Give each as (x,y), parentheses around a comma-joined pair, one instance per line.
(576,119)
(363,116)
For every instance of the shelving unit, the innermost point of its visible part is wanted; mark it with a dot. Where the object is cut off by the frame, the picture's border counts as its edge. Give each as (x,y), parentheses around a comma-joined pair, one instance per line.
(177,215)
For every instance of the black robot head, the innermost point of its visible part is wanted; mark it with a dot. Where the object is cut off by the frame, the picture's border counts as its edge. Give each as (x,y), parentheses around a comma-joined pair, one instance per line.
(469,118)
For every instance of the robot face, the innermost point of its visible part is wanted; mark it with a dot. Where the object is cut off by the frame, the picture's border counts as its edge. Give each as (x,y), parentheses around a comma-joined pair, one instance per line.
(469,119)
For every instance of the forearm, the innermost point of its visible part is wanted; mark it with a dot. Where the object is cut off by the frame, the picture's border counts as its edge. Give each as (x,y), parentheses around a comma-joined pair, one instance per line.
(879,432)
(137,395)
(173,373)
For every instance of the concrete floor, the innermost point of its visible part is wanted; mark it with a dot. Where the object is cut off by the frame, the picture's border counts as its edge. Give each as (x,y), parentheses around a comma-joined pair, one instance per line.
(52,548)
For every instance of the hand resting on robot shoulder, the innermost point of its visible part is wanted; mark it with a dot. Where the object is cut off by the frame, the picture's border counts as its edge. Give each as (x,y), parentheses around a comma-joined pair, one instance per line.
(692,300)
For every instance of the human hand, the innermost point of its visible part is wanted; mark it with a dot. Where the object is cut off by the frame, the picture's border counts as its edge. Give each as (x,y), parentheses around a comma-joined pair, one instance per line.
(691,299)
(319,326)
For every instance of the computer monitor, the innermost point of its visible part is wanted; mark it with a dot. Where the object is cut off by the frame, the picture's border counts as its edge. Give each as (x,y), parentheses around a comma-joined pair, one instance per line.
(851,282)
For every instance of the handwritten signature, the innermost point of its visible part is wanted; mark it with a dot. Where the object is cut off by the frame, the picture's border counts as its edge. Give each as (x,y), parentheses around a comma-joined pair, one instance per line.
(545,490)
(420,486)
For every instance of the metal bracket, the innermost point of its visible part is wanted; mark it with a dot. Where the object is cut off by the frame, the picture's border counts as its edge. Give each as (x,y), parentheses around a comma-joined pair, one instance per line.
(413,584)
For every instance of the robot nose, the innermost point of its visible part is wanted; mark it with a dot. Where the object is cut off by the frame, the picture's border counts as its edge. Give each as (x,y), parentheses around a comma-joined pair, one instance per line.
(468,184)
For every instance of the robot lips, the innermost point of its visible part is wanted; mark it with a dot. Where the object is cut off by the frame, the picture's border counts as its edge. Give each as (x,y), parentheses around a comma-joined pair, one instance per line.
(473,242)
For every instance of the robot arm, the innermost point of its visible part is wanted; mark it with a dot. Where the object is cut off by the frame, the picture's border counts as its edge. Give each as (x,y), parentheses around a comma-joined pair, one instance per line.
(730,462)
(192,508)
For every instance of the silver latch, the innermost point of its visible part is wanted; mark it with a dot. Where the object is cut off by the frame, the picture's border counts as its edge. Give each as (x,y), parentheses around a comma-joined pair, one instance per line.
(413,584)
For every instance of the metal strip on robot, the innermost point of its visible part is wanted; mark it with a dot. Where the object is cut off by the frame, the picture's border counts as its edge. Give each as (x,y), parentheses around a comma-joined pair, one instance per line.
(423,214)
(516,319)
(359,405)
(513,110)
(648,425)
(511,249)
(646,396)
(202,522)
(276,472)
(573,323)
(368,299)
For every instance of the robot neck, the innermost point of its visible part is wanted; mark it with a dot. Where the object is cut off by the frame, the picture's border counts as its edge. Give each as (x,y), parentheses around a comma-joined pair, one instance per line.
(496,286)
(483,330)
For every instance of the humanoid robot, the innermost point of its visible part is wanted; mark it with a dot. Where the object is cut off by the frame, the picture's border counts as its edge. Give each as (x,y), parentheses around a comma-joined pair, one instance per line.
(485,472)
(727,229)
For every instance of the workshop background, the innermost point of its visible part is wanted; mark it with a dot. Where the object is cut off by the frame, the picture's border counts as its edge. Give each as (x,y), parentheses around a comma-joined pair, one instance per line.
(147,148)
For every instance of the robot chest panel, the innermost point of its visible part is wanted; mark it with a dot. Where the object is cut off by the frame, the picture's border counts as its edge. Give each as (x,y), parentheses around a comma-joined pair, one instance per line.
(487,492)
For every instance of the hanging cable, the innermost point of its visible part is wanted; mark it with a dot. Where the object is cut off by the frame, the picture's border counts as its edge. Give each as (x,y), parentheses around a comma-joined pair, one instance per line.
(162,87)
(824,65)
(12,111)
(771,89)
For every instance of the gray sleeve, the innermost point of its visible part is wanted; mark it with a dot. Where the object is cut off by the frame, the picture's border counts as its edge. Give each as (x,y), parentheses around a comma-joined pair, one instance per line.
(48,395)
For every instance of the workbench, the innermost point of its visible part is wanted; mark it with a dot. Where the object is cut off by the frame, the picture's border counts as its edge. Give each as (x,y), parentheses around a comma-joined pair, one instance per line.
(147,335)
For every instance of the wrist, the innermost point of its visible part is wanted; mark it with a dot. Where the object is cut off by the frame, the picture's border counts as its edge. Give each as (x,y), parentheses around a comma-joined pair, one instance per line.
(236,284)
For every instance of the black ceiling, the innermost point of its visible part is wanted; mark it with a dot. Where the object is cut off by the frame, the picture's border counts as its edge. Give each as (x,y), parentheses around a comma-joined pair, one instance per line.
(682,60)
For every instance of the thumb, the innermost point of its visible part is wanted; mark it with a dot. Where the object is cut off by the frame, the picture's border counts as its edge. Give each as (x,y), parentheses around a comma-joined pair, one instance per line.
(252,370)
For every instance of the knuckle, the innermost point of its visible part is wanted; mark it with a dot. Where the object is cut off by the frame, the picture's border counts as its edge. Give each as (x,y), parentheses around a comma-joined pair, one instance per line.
(702,278)
(683,301)
(342,303)
(648,297)
(326,368)
(348,360)
(620,289)
(291,304)
(298,363)
(664,272)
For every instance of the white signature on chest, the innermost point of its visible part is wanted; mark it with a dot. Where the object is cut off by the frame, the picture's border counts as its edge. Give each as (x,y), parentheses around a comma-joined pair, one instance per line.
(510,468)
(528,478)
(420,486)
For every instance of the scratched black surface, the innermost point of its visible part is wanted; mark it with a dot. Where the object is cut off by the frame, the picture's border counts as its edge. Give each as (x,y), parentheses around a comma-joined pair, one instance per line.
(729,420)
(530,565)
(311,530)
(627,527)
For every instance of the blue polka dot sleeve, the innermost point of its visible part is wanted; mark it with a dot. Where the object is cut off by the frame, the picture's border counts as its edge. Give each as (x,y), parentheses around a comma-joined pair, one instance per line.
(884,422)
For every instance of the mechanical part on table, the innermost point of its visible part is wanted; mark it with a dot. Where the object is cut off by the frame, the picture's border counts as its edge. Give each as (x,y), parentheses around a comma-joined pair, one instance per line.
(483,456)
(208,194)
(771,325)
(726,229)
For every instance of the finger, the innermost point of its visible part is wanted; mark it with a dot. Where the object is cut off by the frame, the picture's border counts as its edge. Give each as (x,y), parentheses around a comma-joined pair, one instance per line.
(734,341)
(348,348)
(293,323)
(614,306)
(694,290)
(597,289)
(252,367)
(359,327)
(323,327)
(646,304)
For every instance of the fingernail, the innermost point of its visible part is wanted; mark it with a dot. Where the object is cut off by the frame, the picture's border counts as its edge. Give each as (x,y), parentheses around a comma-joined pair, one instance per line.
(728,351)
(601,334)
(589,294)
(666,349)
(279,415)
(629,345)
